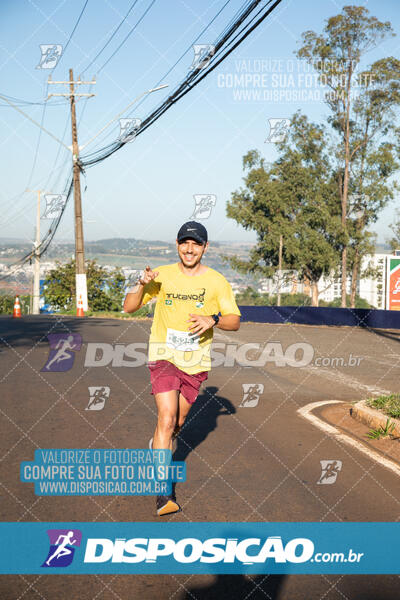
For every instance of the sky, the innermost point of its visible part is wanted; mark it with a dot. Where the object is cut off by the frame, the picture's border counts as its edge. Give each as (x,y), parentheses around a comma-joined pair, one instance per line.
(147,189)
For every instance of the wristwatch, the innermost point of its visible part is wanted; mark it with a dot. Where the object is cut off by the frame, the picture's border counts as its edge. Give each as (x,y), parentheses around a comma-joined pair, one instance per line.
(216,319)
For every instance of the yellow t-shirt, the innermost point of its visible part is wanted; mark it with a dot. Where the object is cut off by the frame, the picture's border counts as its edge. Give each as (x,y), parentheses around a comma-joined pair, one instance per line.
(177,296)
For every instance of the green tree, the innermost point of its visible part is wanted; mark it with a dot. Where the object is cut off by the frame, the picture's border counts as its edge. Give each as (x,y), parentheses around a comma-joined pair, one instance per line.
(295,197)
(105,290)
(7,303)
(336,55)
(374,157)
(250,297)
(395,227)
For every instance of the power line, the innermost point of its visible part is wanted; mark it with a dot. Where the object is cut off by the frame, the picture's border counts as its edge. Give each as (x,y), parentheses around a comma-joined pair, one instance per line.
(112,36)
(190,47)
(196,75)
(44,104)
(128,35)
(73,31)
(230,34)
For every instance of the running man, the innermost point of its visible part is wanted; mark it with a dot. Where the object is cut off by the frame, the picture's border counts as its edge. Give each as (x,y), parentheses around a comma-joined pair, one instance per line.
(62,347)
(62,549)
(192,299)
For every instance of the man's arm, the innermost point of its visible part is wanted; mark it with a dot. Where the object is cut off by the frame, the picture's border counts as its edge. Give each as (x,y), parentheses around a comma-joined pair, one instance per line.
(200,323)
(228,323)
(133,299)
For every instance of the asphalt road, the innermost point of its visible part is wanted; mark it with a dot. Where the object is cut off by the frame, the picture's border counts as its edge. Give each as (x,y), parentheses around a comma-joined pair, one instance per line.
(259,462)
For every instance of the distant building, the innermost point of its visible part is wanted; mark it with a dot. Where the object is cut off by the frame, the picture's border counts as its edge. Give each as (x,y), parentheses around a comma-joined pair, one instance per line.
(372,286)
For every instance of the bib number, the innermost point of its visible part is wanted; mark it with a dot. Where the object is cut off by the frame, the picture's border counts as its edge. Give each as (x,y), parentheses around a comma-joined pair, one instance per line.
(182,340)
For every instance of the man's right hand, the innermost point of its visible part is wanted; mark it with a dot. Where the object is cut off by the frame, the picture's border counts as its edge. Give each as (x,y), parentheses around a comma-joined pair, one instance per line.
(133,299)
(148,275)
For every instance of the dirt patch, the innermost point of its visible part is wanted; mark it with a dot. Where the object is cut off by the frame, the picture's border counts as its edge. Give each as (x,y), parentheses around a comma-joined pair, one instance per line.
(339,416)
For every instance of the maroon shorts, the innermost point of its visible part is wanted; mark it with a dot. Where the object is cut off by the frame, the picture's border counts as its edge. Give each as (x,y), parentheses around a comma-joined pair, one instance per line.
(165,376)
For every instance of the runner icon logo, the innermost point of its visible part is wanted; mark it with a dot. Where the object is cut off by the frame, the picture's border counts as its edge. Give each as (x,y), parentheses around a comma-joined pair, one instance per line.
(251,394)
(97,397)
(62,547)
(54,205)
(62,351)
(278,130)
(330,470)
(203,206)
(50,55)
(202,56)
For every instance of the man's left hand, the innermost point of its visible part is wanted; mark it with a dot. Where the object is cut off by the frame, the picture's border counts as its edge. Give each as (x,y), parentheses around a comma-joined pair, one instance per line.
(200,323)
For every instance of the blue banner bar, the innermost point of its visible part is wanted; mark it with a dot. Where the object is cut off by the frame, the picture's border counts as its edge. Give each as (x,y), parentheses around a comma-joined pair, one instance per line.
(216,548)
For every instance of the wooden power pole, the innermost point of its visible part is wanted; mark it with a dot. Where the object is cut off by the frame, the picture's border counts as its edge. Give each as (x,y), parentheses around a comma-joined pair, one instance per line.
(81,286)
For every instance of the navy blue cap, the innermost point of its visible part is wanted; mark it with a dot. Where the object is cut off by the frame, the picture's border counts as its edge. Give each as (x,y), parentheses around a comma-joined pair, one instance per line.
(192,231)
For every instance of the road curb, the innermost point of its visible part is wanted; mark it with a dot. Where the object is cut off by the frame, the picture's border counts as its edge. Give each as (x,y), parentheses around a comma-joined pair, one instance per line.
(373,417)
(307,413)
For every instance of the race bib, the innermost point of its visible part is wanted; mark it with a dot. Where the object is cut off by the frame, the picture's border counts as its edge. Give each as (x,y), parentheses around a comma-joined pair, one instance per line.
(182,340)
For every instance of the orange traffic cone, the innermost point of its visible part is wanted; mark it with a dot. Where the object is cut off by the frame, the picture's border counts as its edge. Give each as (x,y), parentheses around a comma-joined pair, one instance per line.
(79,307)
(17,309)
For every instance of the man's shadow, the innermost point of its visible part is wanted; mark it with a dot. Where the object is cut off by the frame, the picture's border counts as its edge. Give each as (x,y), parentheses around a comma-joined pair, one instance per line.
(201,420)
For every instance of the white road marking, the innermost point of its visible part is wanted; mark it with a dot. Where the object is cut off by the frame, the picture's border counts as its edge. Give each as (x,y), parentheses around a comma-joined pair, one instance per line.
(306,413)
(331,374)
(345,379)
(390,363)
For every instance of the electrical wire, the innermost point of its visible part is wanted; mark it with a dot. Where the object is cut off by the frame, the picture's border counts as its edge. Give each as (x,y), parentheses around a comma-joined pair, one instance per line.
(194,77)
(188,49)
(222,50)
(73,31)
(111,37)
(127,36)
(49,234)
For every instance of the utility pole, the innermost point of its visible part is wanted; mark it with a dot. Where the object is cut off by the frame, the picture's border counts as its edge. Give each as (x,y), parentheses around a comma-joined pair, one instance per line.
(36,260)
(81,286)
(278,300)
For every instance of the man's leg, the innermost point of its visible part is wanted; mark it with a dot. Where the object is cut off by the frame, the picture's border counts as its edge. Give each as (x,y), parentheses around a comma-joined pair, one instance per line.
(167,408)
(183,411)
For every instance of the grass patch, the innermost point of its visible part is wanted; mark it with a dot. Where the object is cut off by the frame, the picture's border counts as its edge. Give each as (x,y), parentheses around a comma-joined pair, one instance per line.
(389,405)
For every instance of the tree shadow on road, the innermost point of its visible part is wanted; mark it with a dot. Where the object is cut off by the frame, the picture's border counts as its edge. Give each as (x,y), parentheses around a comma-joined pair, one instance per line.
(387,333)
(33,329)
(202,420)
(238,586)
